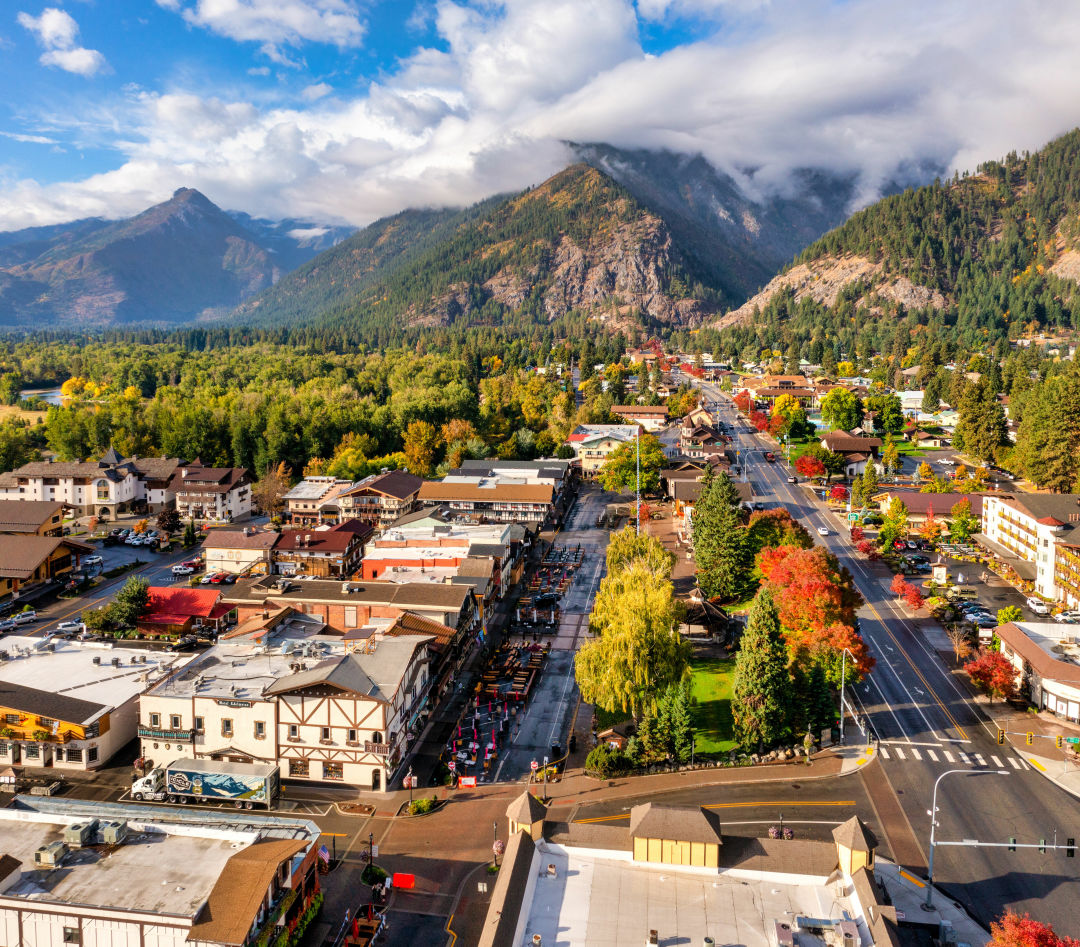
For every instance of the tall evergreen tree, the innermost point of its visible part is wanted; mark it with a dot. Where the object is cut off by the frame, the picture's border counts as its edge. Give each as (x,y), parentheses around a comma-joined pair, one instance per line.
(761,686)
(719,539)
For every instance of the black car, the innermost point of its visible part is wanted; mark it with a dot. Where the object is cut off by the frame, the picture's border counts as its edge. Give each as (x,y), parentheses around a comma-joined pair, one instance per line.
(187,643)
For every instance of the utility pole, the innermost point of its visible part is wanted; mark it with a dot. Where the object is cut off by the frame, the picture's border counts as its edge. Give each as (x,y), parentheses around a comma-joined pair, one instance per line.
(637,490)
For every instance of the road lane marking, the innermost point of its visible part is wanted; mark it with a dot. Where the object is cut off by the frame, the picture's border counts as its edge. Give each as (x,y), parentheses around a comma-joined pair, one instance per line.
(933,755)
(1036,764)
(911,878)
(900,754)
(1012,760)
(964,758)
(997,762)
(948,756)
(979,759)
(918,673)
(915,753)
(884,753)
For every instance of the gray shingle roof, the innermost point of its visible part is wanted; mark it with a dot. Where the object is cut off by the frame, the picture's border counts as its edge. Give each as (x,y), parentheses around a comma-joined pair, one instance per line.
(683,824)
(30,700)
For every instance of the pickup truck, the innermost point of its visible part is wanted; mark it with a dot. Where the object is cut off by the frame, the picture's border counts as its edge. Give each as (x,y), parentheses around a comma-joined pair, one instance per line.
(770,457)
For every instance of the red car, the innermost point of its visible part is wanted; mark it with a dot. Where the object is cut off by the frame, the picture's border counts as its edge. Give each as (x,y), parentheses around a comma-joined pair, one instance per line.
(899,544)
(218,577)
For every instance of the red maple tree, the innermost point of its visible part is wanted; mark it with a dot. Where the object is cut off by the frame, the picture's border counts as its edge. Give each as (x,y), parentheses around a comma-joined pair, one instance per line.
(742,401)
(857,534)
(899,586)
(1019,930)
(810,467)
(838,493)
(759,419)
(992,672)
(864,546)
(913,598)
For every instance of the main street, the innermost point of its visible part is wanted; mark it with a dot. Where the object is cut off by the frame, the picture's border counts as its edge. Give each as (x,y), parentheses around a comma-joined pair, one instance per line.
(927,725)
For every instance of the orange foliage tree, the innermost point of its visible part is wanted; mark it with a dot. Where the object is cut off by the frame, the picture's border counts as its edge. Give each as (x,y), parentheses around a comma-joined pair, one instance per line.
(817,600)
(1019,930)
(992,672)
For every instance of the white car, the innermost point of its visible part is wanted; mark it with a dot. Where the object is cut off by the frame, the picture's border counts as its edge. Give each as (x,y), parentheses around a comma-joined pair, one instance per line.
(24,618)
(822,531)
(67,629)
(182,570)
(1068,618)
(92,561)
(1038,606)
(947,462)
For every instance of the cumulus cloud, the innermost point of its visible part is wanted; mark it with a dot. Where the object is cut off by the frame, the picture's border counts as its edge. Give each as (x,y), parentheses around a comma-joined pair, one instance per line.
(313,93)
(865,89)
(58,33)
(276,23)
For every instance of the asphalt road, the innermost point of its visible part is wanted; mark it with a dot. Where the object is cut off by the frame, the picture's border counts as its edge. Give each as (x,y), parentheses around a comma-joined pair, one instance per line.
(927,727)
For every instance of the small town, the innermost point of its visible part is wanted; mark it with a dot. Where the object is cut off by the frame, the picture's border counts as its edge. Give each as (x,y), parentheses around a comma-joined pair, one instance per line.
(725,629)
(539,473)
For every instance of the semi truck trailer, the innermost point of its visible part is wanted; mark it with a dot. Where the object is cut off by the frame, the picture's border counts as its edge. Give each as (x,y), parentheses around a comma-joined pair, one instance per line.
(245,785)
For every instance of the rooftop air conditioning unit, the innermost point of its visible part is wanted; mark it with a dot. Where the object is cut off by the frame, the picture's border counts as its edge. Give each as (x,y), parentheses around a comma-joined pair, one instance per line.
(115,662)
(80,834)
(96,659)
(51,855)
(113,833)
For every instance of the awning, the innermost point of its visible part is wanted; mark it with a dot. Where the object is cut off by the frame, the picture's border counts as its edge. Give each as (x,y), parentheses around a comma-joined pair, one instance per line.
(1026,570)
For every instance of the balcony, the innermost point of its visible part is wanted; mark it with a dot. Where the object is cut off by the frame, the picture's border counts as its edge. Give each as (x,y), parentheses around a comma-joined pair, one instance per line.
(168,736)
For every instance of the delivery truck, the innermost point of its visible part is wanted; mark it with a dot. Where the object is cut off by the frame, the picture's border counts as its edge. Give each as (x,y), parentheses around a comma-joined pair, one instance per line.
(245,785)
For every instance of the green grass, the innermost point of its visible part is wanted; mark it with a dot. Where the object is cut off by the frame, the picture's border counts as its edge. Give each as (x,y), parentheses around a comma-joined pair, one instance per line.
(710,687)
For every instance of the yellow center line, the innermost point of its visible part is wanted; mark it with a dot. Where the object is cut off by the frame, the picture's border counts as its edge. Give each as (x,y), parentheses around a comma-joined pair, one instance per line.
(1036,764)
(729,805)
(918,673)
(911,878)
(449,921)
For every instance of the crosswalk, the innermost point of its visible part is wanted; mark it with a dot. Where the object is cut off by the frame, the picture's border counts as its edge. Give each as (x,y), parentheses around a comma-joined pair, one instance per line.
(953,757)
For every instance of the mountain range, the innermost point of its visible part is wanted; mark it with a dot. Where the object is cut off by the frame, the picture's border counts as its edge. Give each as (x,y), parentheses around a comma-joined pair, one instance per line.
(178,261)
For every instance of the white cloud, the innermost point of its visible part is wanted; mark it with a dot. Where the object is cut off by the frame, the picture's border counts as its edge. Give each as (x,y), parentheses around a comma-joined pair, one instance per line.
(862,88)
(315,92)
(57,32)
(29,139)
(277,22)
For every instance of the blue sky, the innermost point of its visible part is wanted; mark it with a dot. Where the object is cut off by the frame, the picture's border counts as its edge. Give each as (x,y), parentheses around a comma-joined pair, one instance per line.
(346,110)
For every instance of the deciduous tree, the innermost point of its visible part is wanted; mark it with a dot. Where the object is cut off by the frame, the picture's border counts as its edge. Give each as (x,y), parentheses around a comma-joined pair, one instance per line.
(931,527)
(636,651)
(627,546)
(421,442)
(1009,613)
(841,410)
(621,467)
(809,467)
(271,488)
(992,672)
(1020,930)
(963,524)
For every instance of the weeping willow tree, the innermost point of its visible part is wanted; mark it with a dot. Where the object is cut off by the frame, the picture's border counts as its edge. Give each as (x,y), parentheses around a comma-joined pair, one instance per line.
(636,652)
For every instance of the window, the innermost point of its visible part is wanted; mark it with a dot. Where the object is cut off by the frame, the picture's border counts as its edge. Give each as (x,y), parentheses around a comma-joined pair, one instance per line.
(3,749)
(174,722)
(294,731)
(155,721)
(376,737)
(333,771)
(199,725)
(91,755)
(13,718)
(33,751)
(325,733)
(74,754)
(226,727)
(260,730)
(72,935)
(298,768)
(46,723)
(352,736)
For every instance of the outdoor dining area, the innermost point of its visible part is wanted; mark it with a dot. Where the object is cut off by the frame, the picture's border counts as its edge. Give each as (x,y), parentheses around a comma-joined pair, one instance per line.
(484,726)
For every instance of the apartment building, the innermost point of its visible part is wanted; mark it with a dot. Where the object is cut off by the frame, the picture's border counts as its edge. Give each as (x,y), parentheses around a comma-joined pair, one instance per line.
(492,499)
(1036,534)
(322,707)
(381,498)
(593,443)
(315,499)
(239,550)
(1046,656)
(212,494)
(323,553)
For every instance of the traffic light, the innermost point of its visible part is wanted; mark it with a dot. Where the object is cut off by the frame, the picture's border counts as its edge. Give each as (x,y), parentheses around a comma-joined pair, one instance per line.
(1012,843)
(1070,848)
(1001,737)
(1059,741)
(1030,738)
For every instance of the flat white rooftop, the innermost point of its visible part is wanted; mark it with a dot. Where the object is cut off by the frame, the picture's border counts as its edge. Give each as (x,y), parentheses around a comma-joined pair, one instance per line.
(158,869)
(70,669)
(608,902)
(1059,640)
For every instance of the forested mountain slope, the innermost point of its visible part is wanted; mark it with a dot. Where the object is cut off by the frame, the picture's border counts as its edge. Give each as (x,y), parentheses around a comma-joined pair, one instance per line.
(979,258)
(579,242)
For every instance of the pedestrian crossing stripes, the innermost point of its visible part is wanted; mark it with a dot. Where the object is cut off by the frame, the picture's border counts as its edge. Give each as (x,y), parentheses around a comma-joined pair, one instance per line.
(976,760)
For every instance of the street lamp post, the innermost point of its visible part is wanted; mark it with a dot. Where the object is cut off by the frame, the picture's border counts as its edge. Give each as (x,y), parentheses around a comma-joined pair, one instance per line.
(929,906)
(843,680)
(637,488)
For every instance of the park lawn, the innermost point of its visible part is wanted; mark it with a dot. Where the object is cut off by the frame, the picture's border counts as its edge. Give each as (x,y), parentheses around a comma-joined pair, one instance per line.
(14,411)
(710,687)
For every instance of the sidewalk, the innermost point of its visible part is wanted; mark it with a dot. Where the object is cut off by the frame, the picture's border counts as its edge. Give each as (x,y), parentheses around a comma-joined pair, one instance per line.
(908,895)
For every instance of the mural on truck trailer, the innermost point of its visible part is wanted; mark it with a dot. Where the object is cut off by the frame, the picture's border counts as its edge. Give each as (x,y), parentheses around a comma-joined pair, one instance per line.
(218,785)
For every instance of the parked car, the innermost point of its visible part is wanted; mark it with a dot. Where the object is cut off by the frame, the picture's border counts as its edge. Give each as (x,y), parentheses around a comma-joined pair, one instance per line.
(193,563)
(69,629)
(217,578)
(898,544)
(228,579)
(947,462)
(1068,618)
(1038,606)
(7,624)
(186,643)
(207,579)
(25,618)
(92,561)
(181,569)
